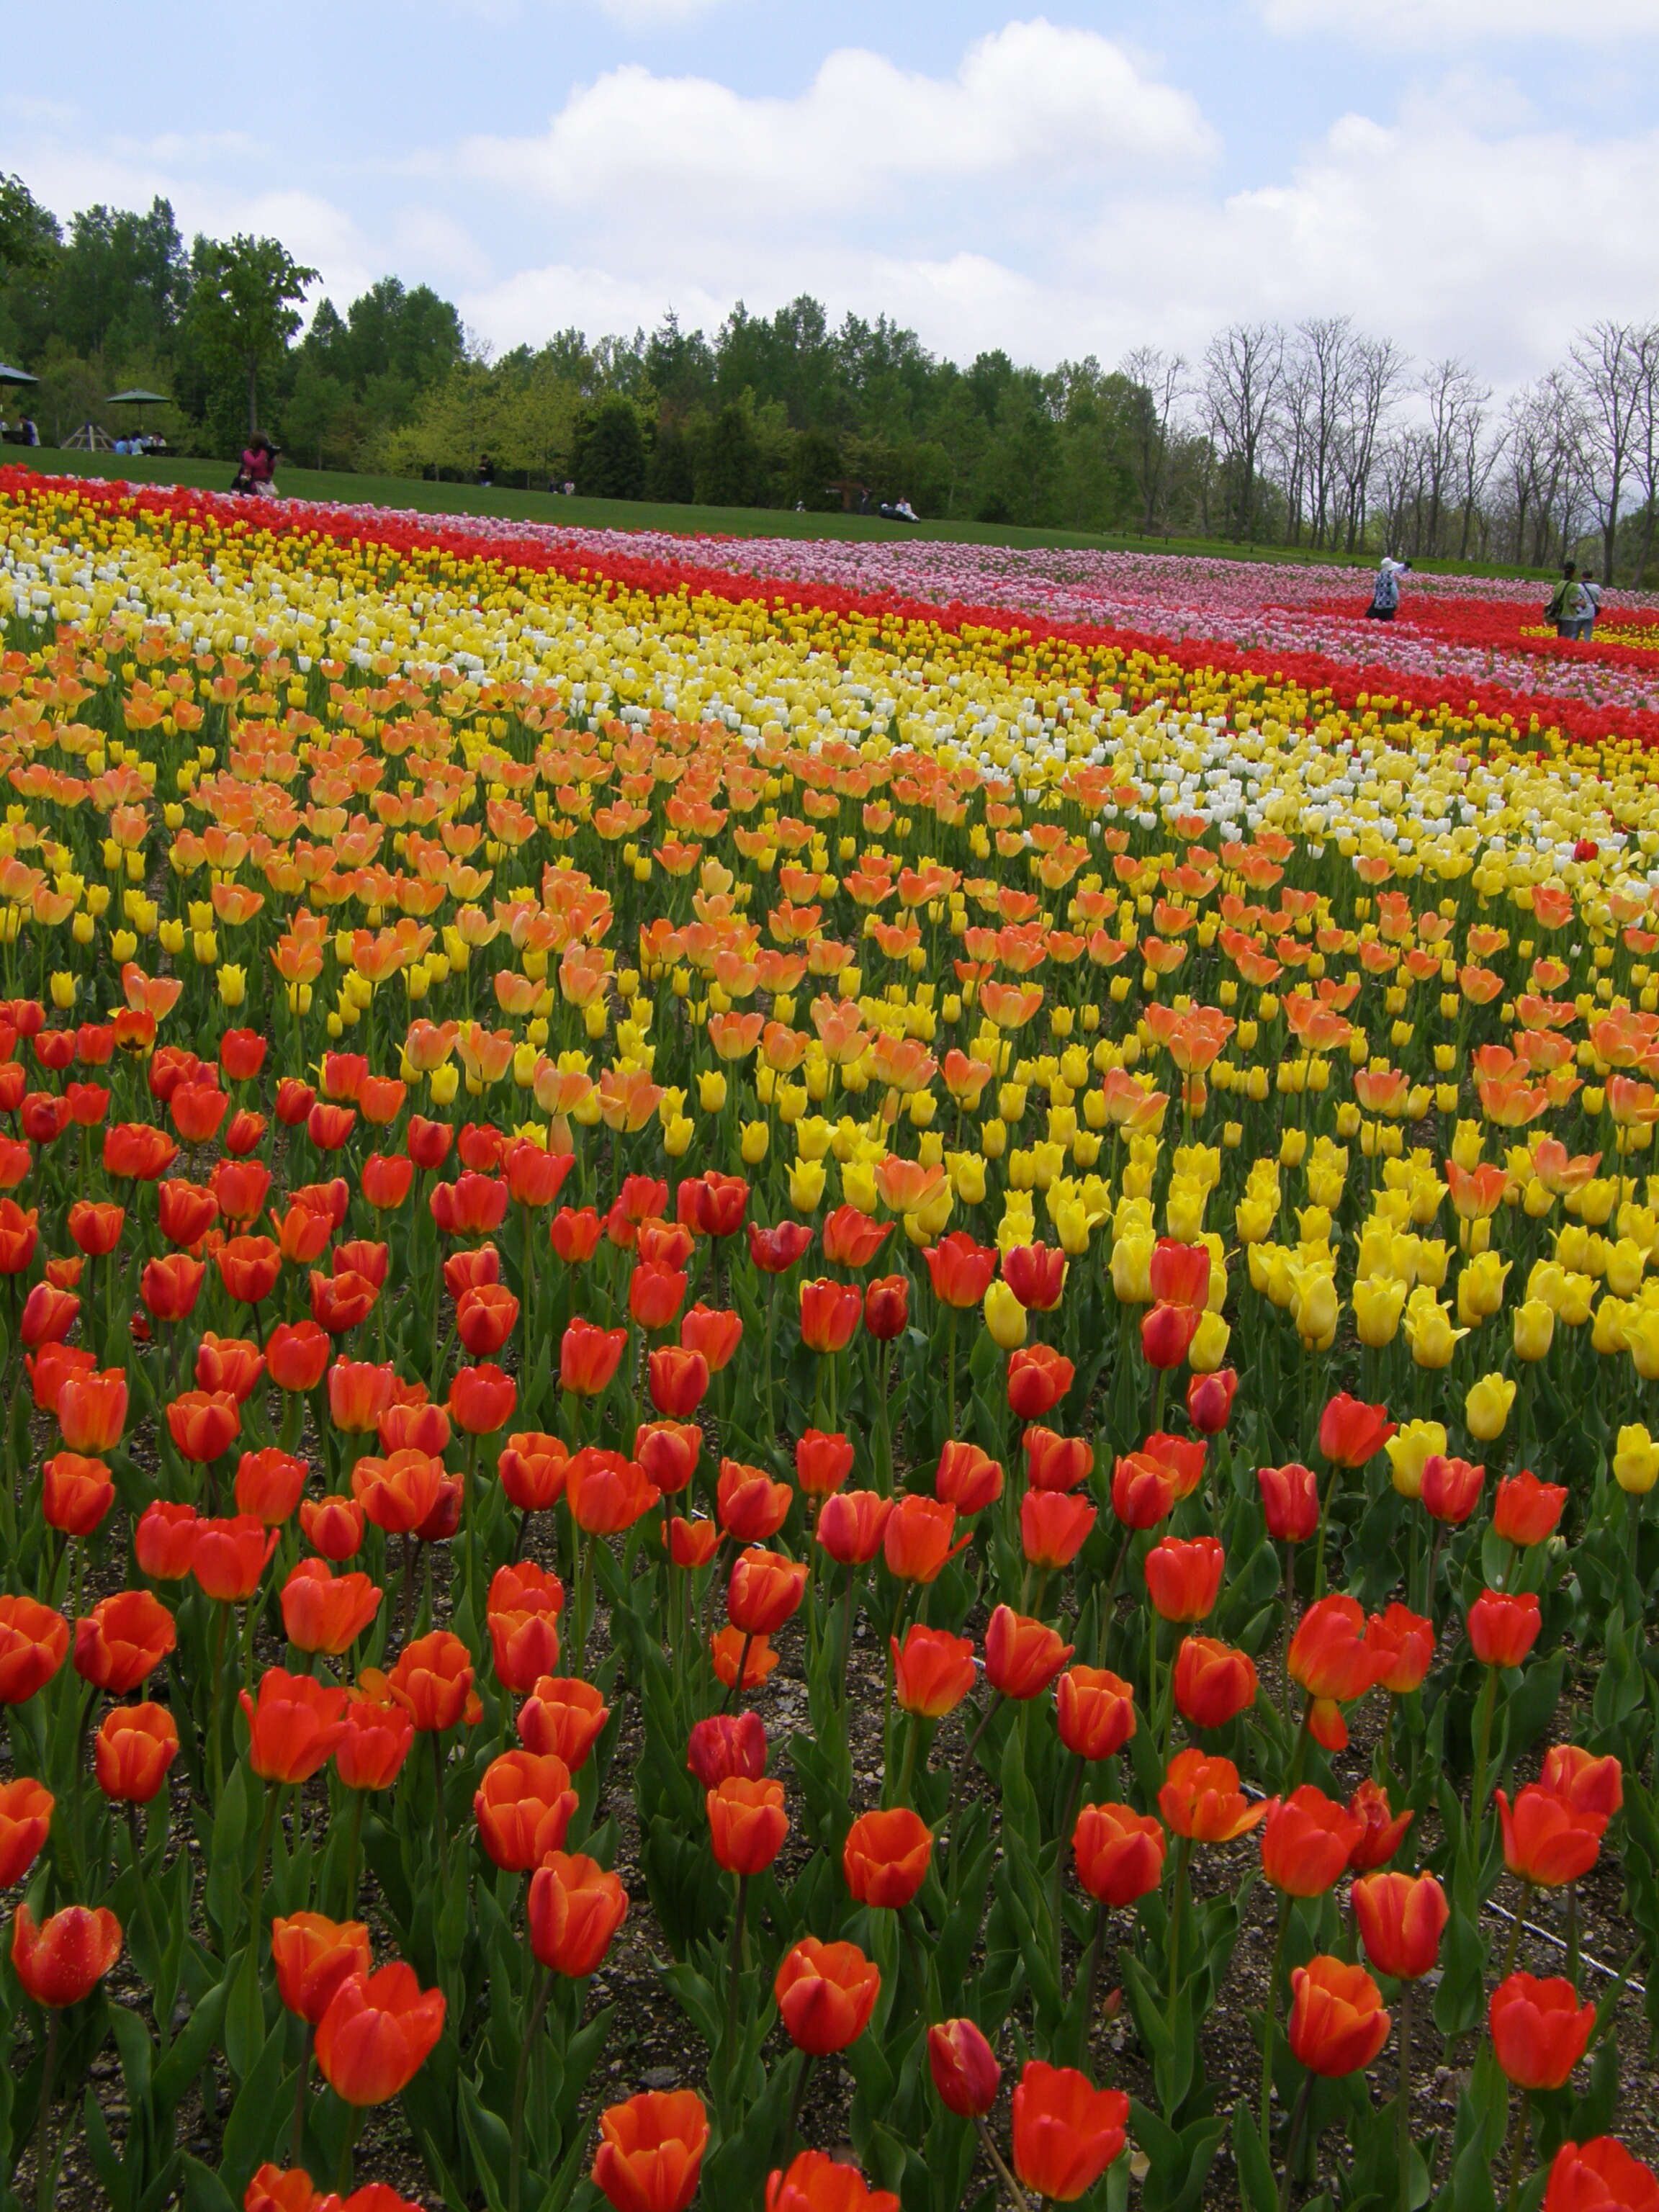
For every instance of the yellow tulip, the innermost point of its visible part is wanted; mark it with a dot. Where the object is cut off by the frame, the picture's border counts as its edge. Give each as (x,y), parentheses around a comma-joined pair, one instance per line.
(233,985)
(711,1089)
(677,1133)
(1377,1304)
(1208,1348)
(1486,1407)
(1005,1317)
(1409,1451)
(1535,1329)
(754,1139)
(806,1181)
(1132,1261)
(1635,1460)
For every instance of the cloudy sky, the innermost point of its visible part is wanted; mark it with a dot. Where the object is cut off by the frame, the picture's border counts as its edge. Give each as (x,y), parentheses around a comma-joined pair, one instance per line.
(1473,176)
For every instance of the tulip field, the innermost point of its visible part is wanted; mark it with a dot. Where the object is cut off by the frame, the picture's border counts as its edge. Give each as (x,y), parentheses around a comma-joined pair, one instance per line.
(825,1391)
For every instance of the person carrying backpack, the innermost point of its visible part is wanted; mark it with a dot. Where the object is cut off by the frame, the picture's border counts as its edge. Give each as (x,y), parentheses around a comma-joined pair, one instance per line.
(1385,592)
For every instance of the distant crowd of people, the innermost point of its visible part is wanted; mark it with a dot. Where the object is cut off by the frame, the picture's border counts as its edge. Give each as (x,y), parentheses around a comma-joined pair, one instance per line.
(20,432)
(1571,609)
(147,444)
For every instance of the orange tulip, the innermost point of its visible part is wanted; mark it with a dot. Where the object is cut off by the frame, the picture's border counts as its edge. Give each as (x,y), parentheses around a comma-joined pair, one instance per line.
(933,1671)
(747,1823)
(564,1716)
(33,1641)
(1118,1853)
(650,2151)
(25,1820)
(917,1543)
(432,1681)
(76,1493)
(1021,1656)
(122,1640)
(1201,1799)
(1401,1918)
(378,1736)
(523,1806)
(229,1556)
(575,1907)
(825,1994)
(886,1857)
(325,1612)
(132,1750)
(1539,2030)
(292,1726)
(1305,1842)
(312,1957)
(1338,2024)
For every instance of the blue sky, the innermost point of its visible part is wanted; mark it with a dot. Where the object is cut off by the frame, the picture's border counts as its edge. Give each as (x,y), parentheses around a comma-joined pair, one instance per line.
(1473,176)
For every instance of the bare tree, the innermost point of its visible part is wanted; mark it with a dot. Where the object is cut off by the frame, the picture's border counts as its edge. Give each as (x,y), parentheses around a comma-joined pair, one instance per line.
(1242,371)
(1163,379)
(1379,368)
(1606,369)
(1644,456)
(1453,395)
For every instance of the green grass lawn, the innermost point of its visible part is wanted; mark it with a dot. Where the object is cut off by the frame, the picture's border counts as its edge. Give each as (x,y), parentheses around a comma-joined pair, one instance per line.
(644,514)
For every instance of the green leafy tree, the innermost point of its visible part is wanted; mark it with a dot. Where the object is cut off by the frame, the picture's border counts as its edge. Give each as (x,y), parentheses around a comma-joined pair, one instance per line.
(608,460)
(242,305)
(29,234)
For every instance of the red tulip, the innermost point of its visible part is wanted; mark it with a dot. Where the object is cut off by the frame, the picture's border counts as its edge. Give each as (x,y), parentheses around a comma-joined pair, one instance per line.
(1066,2131)
(715,1333)
(1401,1918)
(1600,2176)
(33,1641)
(325,1612)
(1021,1656)
(1213,1683)
(432,1682)
(1526,1510)
(132,1750)
(1546,1841)
(966,1478)
(1539,2030)
(959,1269)
(588,1357)
(1381,1829)
(376,2035)
(25,1820)
(1305,1842)
(726,1745)
(313,1956)
(964,2069)
(1350,1432)
(933,1671)
(202,1424)
(523,1806)
(1290,1501)
(1183,1576)
(229,1556)
(774,1251)
(63,1960)
(1118,1853)
(1094,1711)
(1038,1378)
(563,1715)
(1504,1627)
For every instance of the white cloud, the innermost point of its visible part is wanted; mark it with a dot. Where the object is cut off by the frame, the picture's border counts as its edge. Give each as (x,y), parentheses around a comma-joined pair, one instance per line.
(1032,106)
(651,14)
(1440,23)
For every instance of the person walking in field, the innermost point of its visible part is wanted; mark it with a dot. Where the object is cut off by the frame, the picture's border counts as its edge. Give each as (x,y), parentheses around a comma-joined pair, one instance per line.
(1591,608)
(1385,592)
(1568,604)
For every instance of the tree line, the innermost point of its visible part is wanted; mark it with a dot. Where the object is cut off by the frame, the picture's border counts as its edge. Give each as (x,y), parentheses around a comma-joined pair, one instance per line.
(1320,435)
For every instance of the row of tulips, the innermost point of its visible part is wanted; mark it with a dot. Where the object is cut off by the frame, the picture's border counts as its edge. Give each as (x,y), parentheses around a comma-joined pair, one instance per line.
(863,1568)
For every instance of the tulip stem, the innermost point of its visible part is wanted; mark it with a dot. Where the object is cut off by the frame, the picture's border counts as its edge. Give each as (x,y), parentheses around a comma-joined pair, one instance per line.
(1176,1906)
(1294,2141)
(1324,1523)
(1572,1934)
(538,2012)
(359,1799)
(1017,2197)
(437,1795)
(735,1691)
(215,1761)
(1514,1943)
(1270,2016)
(1057,1885)
(301,2080)
(1517,2137)
(733,1973)
(46,2153)
(145,1916)
(348,2145)
(1097,1952)
(1404,2116)
(1482,1750)
(807,2063)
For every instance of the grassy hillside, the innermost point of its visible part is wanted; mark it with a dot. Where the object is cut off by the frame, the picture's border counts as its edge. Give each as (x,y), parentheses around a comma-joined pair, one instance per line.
(644,515)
